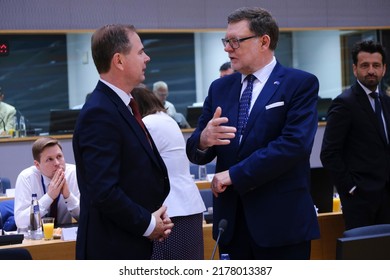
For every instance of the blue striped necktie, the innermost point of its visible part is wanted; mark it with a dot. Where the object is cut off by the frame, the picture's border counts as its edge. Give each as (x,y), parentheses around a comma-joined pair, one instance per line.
(245,102)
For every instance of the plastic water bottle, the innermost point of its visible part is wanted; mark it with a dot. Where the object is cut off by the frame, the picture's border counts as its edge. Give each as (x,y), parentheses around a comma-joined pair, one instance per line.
(15,131)
(35,219)
(202,173)
(22,127)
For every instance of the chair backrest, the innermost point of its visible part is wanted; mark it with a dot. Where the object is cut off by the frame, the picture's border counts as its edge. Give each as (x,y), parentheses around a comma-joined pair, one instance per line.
(7,215)
(365,243)
(207,197)
(367,230)
(5,183)
(15,254)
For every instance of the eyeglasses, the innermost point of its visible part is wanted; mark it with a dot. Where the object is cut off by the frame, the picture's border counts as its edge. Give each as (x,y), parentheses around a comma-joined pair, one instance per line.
(235,42)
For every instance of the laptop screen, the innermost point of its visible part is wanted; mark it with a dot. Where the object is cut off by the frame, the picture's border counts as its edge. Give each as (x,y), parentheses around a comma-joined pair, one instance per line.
(63,121)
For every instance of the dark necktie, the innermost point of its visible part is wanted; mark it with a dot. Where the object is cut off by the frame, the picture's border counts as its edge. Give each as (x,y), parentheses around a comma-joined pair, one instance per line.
(134,107)
(245,102)
(53,210)
(378,112)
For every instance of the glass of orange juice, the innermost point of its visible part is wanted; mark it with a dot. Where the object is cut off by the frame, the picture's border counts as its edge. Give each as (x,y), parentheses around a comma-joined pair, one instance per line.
(336,203)
(48,227)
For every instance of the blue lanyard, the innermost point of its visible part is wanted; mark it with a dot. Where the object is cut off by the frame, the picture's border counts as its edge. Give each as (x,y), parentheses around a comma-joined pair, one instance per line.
(43,185)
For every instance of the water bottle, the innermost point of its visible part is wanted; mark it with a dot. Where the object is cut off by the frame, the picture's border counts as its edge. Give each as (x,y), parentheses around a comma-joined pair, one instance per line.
(35,219)
(22,127)
(202,173)
(15,131)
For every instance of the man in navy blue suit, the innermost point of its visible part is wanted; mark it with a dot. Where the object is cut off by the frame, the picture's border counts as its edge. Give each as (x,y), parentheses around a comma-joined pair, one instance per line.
(122,178)
(261,185)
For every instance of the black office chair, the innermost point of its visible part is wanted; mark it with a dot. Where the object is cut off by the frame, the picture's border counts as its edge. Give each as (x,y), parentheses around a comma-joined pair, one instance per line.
(207,197)
(367,230)
(5,183)
(15,254)
(365,243)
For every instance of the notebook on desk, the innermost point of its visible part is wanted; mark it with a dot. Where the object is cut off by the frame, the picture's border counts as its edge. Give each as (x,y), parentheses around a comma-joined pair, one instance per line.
(11,239)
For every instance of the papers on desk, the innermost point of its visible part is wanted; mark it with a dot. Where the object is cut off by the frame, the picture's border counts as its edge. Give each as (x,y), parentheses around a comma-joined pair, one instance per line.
(10,192)
(210,177)
(69,234)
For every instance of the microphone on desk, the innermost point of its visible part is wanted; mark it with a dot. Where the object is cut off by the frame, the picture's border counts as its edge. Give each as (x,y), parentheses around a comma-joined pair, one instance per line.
(222,225)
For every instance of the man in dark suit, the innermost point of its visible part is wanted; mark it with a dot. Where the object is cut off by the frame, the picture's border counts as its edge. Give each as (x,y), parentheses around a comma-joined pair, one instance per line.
(261,185)
(355,146)
(122,179)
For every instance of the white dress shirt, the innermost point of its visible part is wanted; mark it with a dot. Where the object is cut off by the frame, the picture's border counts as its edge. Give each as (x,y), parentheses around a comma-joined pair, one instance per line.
(29,181)
(184,197)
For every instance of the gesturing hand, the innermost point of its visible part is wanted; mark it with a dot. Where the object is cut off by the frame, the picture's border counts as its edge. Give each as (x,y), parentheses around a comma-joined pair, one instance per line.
(215,133)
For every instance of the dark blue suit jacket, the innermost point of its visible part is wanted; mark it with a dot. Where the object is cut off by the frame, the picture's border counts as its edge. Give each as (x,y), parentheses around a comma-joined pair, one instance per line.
(270,169)
(121,180)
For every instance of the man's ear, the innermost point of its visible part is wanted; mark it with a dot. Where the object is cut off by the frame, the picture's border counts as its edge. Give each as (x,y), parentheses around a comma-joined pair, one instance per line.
(117,60)
(37,165)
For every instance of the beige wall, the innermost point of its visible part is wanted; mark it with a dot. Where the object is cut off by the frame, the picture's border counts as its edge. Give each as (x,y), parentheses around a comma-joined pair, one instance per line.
(186,14)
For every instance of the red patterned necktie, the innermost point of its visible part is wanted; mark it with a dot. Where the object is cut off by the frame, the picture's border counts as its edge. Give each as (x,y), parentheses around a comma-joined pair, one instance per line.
(134,107)
(136,113)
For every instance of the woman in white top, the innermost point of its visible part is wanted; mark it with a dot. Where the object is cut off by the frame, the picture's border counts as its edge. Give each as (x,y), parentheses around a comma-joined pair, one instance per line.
(185,205)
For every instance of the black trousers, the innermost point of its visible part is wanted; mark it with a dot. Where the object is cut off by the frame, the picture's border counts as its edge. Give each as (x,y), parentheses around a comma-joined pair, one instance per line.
(365,208)
(243,247)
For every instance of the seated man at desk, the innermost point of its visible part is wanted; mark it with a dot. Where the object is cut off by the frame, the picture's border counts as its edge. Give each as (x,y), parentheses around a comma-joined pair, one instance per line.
(7,113)
(54,182)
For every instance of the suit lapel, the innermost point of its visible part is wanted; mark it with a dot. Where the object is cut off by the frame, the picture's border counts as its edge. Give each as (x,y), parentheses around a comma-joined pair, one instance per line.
(363,100)
(131,122)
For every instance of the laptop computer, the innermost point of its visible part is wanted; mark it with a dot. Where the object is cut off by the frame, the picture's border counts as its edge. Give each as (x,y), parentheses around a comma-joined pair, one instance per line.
(63,121)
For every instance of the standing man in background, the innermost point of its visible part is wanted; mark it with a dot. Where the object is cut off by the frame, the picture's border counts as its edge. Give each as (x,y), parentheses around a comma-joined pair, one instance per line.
(260,124)
(355,146)
(225,69)
(123,180)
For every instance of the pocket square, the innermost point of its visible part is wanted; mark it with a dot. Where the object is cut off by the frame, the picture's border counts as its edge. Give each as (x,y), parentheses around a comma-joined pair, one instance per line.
(273,105)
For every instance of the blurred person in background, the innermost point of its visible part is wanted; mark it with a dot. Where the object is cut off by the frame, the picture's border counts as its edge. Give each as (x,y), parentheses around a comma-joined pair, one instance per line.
(7,114)
(185,205)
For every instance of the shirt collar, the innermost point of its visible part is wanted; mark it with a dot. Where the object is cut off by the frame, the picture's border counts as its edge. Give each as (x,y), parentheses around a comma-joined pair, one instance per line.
(263,73)
(125,97)
(366,90)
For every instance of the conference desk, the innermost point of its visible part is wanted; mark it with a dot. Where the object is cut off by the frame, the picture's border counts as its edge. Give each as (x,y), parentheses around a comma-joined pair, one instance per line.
(56,249)
(331,226)
(66,250)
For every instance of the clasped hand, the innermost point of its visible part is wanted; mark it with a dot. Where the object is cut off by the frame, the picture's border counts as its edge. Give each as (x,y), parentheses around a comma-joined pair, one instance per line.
(58,185)
(163,226)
